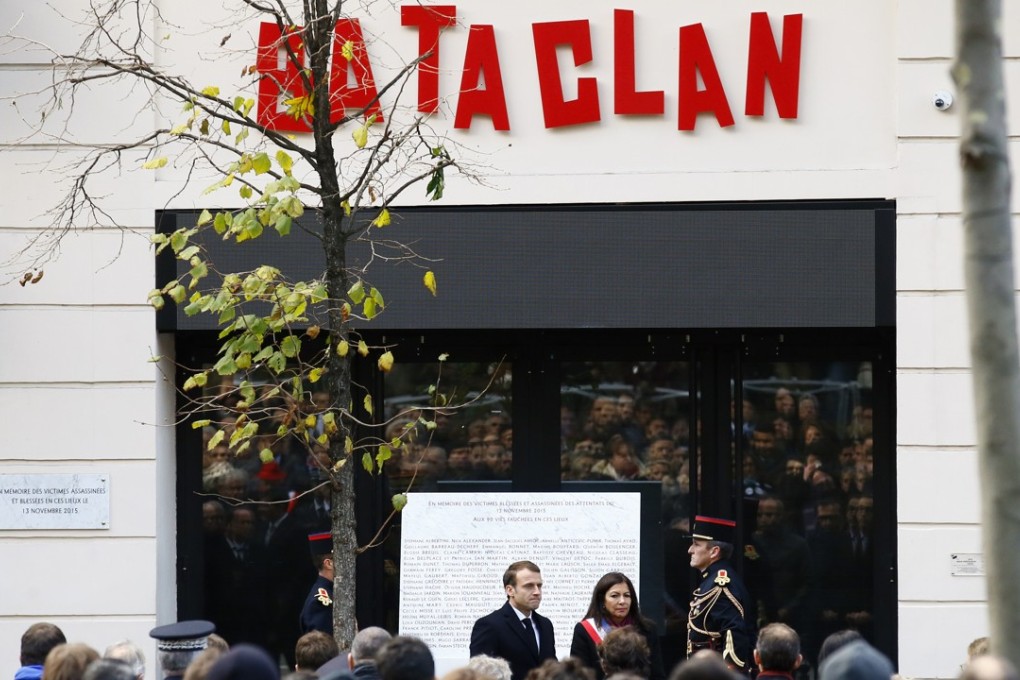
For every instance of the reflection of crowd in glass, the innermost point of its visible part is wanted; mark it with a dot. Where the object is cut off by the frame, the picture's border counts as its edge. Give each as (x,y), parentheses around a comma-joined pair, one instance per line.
(812,484)
(621,438)
(256,519)
(460,447)
(807,486)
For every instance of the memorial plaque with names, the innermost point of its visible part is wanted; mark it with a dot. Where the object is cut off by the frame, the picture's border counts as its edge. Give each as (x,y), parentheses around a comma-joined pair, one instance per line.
(55,501)
(456,546)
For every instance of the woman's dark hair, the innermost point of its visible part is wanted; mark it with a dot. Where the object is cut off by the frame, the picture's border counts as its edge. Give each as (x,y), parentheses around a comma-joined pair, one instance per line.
(625,650)
(596,608)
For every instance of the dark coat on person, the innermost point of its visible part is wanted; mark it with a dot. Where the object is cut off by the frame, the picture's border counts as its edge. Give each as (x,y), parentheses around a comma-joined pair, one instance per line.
(584,648)
(718,617)
(317,613)
(503,635)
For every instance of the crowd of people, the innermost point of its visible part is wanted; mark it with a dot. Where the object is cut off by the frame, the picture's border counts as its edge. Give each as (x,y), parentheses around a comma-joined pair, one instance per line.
(189,650)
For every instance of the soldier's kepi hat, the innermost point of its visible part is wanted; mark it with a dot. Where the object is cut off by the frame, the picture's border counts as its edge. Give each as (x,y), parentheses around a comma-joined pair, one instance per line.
(183,635)
(714,529)
(320,543)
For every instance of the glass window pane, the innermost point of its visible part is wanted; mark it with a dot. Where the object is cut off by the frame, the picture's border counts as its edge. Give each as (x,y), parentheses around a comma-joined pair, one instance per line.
(627,421)
(470,404)
(808,488)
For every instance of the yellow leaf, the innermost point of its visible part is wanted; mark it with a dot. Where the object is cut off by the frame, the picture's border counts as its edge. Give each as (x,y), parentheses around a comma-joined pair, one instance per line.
(347,208)
(314,375)
(348,50)
(368,403)
(343,348)
(360,136)
(348,445)
(386,362)
(154,163)
(362,348)
(211,91)
(383,219)
(266,455)
(430,282)
(179,129)
(284,160)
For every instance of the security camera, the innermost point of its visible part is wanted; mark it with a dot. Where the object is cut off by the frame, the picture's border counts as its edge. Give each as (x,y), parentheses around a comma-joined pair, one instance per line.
(942,100)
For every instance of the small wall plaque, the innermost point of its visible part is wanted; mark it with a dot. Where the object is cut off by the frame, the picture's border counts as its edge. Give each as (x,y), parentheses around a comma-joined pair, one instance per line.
(968,564)
(55,501)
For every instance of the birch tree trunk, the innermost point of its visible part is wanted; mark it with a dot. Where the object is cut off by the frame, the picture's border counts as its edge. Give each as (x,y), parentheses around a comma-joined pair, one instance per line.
(978,73)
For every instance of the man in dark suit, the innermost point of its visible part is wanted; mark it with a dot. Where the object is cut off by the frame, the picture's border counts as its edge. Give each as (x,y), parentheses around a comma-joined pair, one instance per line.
(516,632)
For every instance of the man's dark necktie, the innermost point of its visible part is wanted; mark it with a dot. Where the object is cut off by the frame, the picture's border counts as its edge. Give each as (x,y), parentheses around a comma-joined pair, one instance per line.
(533,643)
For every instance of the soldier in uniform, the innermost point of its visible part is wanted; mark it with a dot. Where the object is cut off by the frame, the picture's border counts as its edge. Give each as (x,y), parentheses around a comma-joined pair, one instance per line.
(317,612)
(717,619)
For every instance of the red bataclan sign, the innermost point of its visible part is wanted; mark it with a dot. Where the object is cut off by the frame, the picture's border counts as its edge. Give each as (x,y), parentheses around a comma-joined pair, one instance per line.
(353,89)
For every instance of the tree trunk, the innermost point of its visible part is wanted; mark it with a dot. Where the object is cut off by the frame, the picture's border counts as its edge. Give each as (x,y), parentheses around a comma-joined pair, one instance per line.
(319,37)
(978,73)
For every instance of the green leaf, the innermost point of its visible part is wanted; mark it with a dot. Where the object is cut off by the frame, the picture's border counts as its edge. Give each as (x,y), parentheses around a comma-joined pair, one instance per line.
(199,424)
(399,501)
(283,224)
(314,375)
(277,362)
(290,346)
(220,224)
(357,293)
(377,296)
(155,163)
(204,218)
(261,163)
(178,294)
(188,253)
(319,293)
(197,273)
(385,453)
(367,463)
(367,403)
(178,240)
(211,91)
(225,127)
(284,161)
(225,366)
(245,192)
(436,185)
(370,310)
